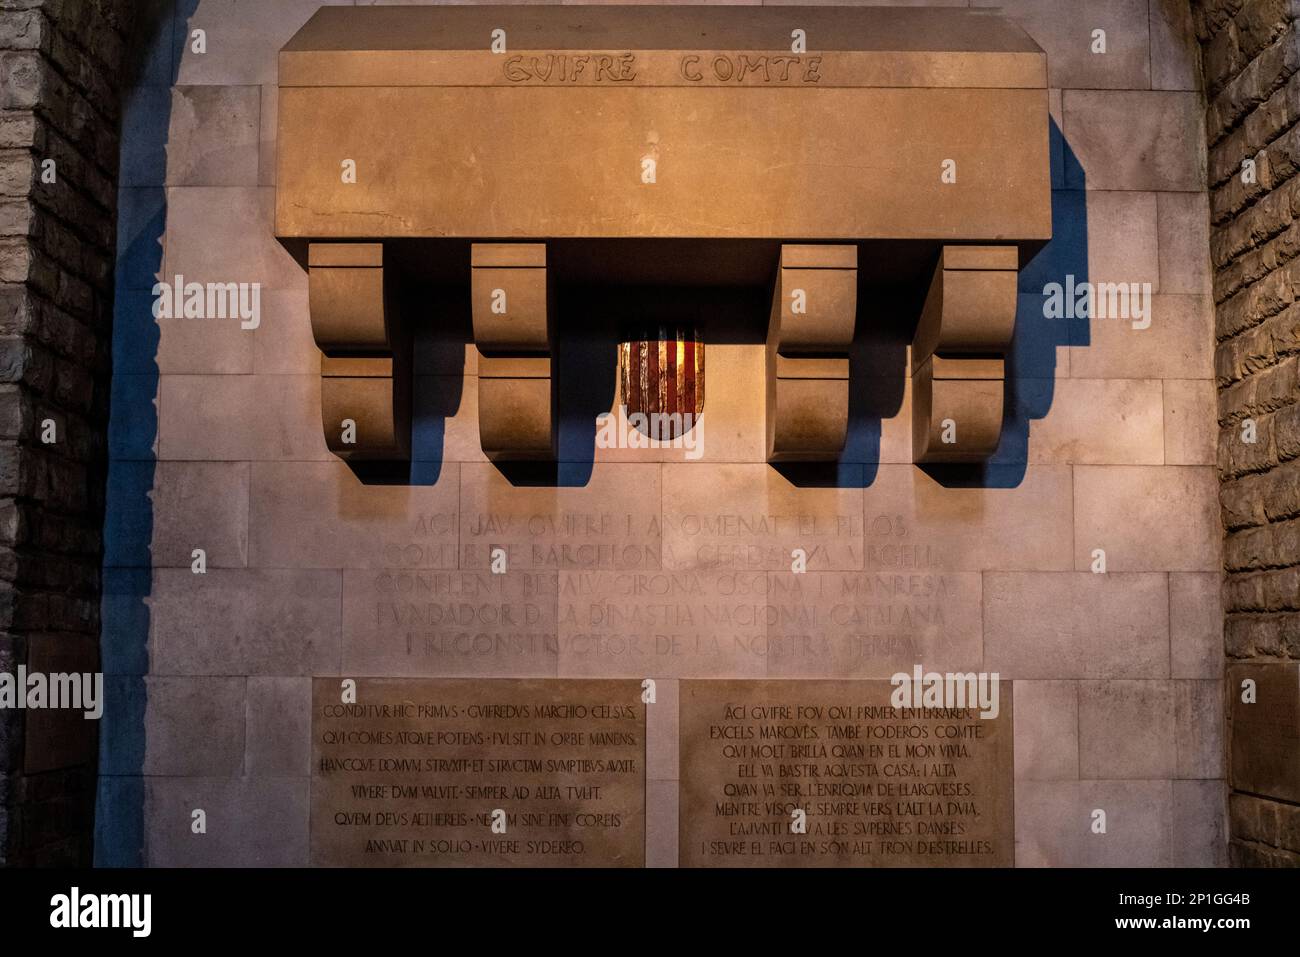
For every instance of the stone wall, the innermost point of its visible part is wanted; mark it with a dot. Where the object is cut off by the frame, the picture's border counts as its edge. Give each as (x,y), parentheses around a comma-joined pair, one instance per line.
(216,442)
(60,63)
(1251,53)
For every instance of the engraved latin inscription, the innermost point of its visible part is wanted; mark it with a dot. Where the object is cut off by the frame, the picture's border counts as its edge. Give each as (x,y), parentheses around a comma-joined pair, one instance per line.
(483,772)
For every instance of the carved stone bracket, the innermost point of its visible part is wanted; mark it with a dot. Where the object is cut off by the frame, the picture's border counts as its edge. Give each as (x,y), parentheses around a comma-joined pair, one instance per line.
(511,307)
(958,354)
(814,308)
(365,382)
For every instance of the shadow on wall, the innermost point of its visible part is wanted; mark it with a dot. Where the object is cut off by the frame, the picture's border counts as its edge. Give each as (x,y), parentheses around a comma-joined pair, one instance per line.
(440,315)
(593,318)
(1031,364)
(588,357)
(887,322)
(585,359)
(889,305)
(132,432)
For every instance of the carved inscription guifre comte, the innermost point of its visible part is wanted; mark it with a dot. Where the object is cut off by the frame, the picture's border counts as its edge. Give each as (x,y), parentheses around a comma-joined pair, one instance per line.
(926,129)
(691,68)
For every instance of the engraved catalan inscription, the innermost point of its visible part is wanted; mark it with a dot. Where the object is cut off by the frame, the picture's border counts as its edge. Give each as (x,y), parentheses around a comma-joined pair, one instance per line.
(743,67)
(877,786)
(734,624)
(709,68)
(568,68)
(478,773)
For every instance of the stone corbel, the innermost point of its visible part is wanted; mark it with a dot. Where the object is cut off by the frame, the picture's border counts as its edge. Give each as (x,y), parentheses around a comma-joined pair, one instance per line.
(814,308)
(958,354)
(365,387)
(511,309)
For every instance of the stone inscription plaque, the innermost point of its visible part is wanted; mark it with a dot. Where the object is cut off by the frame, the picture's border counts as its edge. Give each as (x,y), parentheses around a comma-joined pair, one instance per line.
(880,787)
(411,775)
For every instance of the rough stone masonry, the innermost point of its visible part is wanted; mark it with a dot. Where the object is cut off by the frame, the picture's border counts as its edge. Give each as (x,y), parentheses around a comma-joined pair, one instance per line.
(60,62)
(1251,55)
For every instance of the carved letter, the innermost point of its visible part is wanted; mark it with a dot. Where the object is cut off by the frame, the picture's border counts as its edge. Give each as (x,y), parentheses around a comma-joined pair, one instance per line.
(514,71)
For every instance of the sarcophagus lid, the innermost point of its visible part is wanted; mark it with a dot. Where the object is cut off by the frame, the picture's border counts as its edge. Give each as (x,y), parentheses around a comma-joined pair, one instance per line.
(557,122)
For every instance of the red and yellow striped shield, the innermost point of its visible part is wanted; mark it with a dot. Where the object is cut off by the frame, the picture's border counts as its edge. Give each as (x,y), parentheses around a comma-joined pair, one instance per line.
(662,378)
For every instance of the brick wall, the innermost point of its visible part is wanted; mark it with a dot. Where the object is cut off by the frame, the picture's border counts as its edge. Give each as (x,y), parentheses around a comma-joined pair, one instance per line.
(1251,54)
(60,61)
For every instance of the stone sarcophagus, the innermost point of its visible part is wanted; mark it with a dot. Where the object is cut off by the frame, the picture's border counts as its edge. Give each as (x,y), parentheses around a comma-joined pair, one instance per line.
(818,152)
